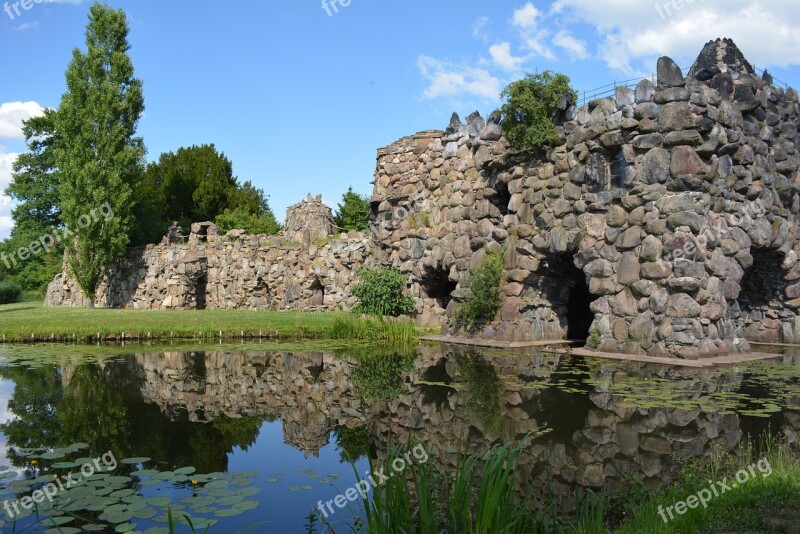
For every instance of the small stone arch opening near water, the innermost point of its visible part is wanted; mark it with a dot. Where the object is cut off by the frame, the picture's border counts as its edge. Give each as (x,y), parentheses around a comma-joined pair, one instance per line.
(317,293)
(567,289)
(763,290)
(436,285)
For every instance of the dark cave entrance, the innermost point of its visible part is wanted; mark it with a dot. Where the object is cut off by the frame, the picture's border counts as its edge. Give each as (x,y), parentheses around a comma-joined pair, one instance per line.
(317,293)
(201,287)
(438,286)
(567,289)
(579,313)
(502,197)
(763,281)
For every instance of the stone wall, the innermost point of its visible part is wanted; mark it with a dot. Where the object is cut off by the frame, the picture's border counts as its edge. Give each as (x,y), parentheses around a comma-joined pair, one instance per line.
(662,205)
(665,223)
(232,271)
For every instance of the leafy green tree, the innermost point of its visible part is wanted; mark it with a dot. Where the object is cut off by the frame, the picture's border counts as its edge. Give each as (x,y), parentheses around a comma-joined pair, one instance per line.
(98,158)
(380,292)
(34,185)
(353,213)
(241,219)
(194,184)
(249,211)
(483,299)
(531,108)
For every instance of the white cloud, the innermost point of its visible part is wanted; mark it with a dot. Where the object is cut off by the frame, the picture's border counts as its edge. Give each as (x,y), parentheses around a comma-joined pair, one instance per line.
(26,26)
(576,48)
(633,33)
(447,79)
(479,29)
(503,58)
(12,114)
(534,38)
(6,204)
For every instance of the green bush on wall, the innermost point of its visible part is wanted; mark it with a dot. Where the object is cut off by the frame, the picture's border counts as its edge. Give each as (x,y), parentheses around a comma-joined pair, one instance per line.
(483,299)
(381,293)
(9,292)
(531,108)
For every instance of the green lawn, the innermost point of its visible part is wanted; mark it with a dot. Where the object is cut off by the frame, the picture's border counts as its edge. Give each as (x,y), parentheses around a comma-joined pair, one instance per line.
(30,321)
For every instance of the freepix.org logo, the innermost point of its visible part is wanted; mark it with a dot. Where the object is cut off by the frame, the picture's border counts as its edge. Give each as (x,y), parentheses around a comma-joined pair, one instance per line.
(12,9)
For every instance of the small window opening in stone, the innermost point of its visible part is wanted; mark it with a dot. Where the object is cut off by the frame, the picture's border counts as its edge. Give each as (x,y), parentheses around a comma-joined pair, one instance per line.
(502,198)
(437,286)
(619,165)
(200,291)
(373,206)
(317,293)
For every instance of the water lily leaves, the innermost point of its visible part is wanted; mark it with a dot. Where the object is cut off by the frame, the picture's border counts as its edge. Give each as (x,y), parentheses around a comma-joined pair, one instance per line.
(245,505)
(159,501)
(93,527)
(62,530)
(217,484)
(64,465)
(127,527)
(52,455)
(185,471)
(144,473)
(134,461)
(230,512)
(57,521)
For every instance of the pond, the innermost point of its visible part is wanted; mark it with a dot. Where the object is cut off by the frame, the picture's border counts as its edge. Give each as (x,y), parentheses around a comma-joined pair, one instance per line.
(261,437)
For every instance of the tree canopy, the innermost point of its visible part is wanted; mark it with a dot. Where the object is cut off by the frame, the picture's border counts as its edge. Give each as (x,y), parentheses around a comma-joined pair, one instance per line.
(531,107)
(99,159)
(353,212)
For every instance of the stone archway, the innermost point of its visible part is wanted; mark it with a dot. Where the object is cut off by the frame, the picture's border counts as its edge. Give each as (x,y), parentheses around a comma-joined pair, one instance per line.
(566,288)
(762,287)
(317,293)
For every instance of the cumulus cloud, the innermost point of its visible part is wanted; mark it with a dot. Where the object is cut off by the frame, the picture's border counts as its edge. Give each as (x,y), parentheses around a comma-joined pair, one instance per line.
(534,37)
(6,163)
(631,33)
(12,114)
(576,48)
(503,58)
(447,79)
(479,29)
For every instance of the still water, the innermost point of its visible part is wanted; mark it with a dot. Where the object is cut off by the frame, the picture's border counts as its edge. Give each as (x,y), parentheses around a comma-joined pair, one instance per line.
(254,437)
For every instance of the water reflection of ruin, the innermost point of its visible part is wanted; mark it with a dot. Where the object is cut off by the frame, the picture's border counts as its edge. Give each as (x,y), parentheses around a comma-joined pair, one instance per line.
(594,437)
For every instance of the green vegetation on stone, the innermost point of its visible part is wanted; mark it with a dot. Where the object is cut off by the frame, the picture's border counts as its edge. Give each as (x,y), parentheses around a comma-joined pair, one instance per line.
(483,299)
(530,110)
(380,292)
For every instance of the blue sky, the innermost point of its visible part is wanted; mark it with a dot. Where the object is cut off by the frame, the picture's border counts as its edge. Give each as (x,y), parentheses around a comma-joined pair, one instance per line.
(300,100)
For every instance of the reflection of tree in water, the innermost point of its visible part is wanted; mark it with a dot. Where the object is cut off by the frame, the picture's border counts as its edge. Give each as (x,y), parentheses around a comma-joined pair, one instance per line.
(353,443)
(379,376)
(36,396)
(483,388)
(103,406)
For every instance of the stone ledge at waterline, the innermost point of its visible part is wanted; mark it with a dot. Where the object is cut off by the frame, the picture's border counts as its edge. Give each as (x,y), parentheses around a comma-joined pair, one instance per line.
(664,224)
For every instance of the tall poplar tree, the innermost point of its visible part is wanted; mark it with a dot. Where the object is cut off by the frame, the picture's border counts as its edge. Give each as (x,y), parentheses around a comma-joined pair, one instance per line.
(99,159)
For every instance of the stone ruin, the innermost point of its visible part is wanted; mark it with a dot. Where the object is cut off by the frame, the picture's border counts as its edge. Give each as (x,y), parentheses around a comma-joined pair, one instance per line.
(309,221)
(664,223)
(304,268)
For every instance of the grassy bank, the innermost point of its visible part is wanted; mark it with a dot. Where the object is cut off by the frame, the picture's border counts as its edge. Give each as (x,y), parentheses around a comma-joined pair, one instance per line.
(29,322)
(481,496)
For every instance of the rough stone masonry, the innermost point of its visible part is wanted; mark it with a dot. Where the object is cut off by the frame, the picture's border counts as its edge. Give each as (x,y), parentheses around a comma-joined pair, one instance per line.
(665,223)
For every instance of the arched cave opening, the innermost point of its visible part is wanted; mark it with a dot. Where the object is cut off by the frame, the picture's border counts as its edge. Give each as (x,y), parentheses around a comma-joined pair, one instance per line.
(567,289)
(579,313)
(201,288)
(317,293)
(437,285)
(762,282)
(502,197)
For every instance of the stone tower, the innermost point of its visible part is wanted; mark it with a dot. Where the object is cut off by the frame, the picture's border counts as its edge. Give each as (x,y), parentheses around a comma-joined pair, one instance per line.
(309,220)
